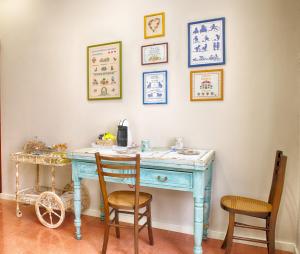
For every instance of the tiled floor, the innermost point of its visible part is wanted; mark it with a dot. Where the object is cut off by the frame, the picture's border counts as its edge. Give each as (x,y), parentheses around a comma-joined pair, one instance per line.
(27,236)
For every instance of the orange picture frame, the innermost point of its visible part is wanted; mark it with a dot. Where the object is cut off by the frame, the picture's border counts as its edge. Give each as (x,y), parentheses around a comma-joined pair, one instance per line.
(207,85)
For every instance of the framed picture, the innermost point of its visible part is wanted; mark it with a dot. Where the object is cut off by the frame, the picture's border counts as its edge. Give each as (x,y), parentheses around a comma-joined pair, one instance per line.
(206,85)
(206,40)
(104,71)
(155,53)
(155,87)
(154,25)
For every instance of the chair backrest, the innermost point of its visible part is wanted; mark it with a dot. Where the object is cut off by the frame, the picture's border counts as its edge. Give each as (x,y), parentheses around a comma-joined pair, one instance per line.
(118,167)
(277,182)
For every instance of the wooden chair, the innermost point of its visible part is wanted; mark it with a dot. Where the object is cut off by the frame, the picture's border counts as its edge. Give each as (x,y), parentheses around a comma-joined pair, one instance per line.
(257,208)
(128,202)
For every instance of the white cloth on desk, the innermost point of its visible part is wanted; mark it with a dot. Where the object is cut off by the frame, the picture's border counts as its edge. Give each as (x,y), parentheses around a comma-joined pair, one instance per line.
(164,155)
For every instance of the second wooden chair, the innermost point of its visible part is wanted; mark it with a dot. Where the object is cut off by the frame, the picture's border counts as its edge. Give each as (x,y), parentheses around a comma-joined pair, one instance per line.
(257,208)
(128,202)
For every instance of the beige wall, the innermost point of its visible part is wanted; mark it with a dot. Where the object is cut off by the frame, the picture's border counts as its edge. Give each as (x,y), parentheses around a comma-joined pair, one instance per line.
(43,92)
(298,54)
(298,72)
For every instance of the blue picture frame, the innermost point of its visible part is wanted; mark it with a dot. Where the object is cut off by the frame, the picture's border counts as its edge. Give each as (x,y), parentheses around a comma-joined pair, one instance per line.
(155,87)
(206,43)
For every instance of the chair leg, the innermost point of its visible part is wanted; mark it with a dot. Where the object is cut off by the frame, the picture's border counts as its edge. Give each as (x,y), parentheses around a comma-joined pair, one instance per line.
(136,232)
(149,224)
(117,223)
(230,233)
(105,240)
(271,239)
(267,232)
(225,239)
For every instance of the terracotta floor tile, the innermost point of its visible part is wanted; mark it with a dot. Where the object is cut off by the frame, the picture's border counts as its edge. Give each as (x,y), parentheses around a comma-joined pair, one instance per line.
(27,236)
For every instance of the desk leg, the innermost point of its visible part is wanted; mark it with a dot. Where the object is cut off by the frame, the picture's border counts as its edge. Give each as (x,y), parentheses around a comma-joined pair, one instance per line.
(207,198)
(77,208)
(198,180)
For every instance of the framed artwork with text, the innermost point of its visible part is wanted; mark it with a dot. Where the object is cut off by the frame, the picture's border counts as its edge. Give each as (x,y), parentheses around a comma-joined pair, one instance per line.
(154,54)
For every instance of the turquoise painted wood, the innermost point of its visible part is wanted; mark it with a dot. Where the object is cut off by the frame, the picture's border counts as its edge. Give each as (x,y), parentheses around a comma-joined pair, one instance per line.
(192,175)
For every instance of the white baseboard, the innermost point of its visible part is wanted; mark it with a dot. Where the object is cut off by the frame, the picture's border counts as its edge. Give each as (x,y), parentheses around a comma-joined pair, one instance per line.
(281,245)
(7,196)
(156,224)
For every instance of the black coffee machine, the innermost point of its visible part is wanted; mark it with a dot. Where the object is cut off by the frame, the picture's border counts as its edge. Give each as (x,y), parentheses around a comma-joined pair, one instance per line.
(123,134)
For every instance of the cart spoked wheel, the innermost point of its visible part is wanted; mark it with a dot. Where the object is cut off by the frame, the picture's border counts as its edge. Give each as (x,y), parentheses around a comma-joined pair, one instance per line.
(50,209)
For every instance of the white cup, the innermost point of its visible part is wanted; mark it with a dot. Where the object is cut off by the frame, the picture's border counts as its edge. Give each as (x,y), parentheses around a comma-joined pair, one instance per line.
(179,143)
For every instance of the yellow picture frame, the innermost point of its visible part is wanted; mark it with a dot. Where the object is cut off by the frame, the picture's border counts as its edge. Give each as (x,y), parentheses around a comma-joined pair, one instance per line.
(207,85)
(154,25)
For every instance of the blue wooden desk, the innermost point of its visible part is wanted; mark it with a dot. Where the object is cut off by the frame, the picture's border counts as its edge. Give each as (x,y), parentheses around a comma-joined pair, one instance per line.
(160,168)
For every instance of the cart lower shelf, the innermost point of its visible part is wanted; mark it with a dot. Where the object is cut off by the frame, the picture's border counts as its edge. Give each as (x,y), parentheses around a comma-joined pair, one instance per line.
(50,206)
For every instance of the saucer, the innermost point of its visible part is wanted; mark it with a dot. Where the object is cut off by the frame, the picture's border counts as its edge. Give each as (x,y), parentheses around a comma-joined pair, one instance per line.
(188,152)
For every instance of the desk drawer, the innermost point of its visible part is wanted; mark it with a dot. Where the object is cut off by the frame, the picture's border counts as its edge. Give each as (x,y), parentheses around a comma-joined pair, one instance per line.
(166,178)
(87,168)
(90,170)
(149,177)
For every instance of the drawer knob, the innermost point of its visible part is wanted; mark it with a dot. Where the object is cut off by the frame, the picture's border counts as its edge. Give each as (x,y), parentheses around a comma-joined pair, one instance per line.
(162,179)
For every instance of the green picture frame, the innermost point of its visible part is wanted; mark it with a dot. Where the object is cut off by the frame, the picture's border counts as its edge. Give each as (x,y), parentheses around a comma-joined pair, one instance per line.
(104,71)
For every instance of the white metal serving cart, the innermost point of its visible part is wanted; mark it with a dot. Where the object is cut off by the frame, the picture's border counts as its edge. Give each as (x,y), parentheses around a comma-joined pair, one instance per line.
(50,202)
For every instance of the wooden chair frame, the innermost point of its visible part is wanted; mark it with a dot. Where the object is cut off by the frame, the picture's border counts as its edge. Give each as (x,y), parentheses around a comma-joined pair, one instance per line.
(271,218)
(117,164)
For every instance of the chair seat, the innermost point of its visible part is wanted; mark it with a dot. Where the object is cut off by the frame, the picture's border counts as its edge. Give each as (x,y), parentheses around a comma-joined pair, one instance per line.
(245,205)
(125,199)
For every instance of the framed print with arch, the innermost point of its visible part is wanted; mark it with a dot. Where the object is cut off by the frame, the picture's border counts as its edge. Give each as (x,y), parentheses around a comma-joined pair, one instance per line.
(206,85)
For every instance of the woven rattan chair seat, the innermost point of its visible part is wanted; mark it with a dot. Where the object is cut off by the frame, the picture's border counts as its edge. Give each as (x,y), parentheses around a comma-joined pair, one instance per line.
(243,204)
(125,199)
